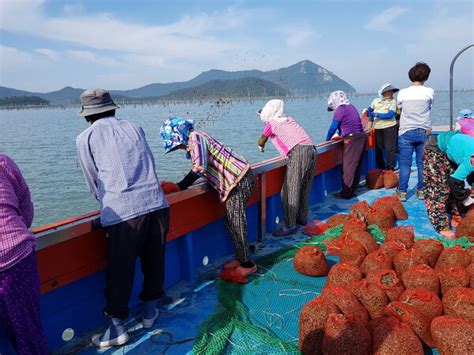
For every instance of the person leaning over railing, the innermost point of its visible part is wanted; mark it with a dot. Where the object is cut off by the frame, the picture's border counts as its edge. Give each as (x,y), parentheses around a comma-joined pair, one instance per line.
(228,173)
(346,119)
(119,169)
(442,181)
(19,280)
(293,143)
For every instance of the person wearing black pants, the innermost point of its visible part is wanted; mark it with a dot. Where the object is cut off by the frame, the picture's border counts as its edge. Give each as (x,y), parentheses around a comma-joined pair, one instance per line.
(386,140)
(354,147)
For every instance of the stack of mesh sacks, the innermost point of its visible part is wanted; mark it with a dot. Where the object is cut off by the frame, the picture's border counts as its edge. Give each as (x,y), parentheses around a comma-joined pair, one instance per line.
(466,226)
(395,298)
(377,178)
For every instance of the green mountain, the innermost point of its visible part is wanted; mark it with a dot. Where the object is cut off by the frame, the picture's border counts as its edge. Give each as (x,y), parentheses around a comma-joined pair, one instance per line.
(16,101)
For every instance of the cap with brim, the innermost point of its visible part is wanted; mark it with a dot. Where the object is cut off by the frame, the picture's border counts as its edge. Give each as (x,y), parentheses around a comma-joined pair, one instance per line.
(94,101)
(389,88)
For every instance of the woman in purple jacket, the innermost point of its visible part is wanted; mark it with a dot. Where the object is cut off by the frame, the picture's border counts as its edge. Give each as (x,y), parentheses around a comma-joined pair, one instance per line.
(347,121)
(19,280)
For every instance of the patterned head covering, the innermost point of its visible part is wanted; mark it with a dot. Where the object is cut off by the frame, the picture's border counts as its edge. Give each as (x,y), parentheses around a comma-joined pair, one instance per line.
(273,111)
(175,132)
(336,99)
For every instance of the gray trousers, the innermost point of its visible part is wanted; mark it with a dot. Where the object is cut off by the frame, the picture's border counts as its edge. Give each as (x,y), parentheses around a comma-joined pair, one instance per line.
(297,184)
(235,219)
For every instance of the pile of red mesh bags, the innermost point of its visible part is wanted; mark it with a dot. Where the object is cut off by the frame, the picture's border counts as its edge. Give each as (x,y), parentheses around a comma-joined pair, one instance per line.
(312,323)
(347,303)
(406,259)
(470,251)
(353,224)
(315,227)
(402,234)
(466,227)
(411,316)
(453,335)
(390,179)
(343,273)
(381,216)
(394,203)
(346,336)
(470,270)
(387,281)
(352,252)
(375,261)
(310,261)
(427,302)
(431,248)
(374,179)
(453,256)
(391,248)
(370,296)
(459,302)
(334,245)
(390,336)
(359,210)
(452,276)
(364,238)
(337,220)
(421,276)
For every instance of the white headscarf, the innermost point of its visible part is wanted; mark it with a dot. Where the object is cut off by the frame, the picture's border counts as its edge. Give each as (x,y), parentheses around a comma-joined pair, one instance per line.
(273,111)
(336,99)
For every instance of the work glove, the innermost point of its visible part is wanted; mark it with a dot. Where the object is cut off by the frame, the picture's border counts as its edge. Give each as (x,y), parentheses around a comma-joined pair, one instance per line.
(468,201)
(169,187)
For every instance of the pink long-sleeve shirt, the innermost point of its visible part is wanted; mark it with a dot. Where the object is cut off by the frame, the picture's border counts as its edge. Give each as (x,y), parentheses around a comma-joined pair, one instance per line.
(16,215)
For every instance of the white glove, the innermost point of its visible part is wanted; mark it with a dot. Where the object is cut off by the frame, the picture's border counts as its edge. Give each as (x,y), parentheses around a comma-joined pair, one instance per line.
(468,201)
(261,148)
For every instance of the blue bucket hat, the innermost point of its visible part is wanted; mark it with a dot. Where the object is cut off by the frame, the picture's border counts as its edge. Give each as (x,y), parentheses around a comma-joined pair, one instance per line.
(466,113)
(175,132)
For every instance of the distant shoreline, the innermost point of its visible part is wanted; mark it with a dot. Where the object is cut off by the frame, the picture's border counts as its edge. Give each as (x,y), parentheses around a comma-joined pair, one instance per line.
(216,100)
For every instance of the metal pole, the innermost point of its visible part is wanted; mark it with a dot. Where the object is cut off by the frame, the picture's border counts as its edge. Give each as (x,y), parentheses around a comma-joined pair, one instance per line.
(451,70)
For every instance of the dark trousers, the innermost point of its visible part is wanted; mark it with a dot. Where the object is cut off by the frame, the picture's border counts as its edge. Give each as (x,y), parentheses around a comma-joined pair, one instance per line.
(354,147)
(144,237)
(297,185)
(386,140)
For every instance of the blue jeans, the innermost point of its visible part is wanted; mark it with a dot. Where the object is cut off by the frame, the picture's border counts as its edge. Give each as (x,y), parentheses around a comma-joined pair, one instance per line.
(409,142)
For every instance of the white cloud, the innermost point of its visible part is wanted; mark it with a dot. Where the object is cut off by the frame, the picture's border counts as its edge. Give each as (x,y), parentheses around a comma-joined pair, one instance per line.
(296,36)
(49,53)
(383,20)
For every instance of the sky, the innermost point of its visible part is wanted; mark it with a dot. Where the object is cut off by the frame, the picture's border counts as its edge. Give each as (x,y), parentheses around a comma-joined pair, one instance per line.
(124,44)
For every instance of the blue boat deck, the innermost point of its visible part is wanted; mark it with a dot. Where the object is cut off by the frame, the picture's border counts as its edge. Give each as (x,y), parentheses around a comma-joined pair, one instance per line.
(273,297)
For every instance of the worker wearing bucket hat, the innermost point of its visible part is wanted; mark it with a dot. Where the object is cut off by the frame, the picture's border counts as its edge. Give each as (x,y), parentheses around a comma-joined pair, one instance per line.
(382,117)
(119,169)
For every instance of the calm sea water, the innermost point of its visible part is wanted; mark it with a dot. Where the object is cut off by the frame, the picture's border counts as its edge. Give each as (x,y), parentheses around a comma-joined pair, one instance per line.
(42,142)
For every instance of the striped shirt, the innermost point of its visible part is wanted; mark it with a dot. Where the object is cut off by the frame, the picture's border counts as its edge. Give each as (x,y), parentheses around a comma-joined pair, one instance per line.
(286,135)
(415,102)
(221,166)
(16,215)
(119,169)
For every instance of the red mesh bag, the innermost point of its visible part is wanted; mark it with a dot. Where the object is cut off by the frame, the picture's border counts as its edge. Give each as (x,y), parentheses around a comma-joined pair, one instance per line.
(375,261)
(470,270)
(346,336)
(337,219)
(169,187)
(455,255)
(346,302)
(453,335)
(427,302)
(394,203)
(359,210)
(312,323)
(374,179)
(402,234)
(370,296)
(310,261)
(391,248)
(382,217)
(353,224)
(421,276)
(459,302)
(418,322)
(452,276)
(390,336)
(352,252)
(343,273)
(315,227)
(431,248)
(387,281)
(390,179)
(333,245)
(364,238)
(406,259)
(470,251)
(466,227)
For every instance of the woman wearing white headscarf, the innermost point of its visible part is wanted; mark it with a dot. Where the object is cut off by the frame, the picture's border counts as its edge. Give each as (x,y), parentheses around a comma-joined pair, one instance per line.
(346,119)
(292,142)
